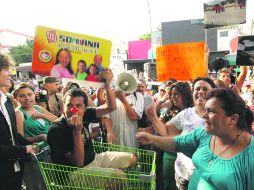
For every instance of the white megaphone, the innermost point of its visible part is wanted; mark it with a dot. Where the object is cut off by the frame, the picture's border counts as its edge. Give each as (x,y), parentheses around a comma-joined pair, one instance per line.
(125,82)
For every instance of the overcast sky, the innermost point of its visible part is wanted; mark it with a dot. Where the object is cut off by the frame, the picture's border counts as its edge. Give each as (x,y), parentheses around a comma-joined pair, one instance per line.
(126,19)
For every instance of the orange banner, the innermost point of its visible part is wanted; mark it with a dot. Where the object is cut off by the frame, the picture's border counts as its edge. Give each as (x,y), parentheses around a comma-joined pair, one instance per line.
(182,61)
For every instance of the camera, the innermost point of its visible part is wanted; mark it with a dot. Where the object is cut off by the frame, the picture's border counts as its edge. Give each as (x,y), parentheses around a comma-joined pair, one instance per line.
(41,95)
(74,86)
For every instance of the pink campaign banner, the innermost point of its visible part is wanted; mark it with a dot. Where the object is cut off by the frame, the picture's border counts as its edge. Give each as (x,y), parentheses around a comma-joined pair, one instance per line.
(138,49)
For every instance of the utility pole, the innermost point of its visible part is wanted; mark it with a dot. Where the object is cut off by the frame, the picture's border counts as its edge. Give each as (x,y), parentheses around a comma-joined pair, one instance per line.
(150,20)
(252,23)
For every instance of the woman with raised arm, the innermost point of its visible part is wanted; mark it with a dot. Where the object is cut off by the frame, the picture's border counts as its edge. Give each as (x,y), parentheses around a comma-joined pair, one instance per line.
(220,151)
(185,122)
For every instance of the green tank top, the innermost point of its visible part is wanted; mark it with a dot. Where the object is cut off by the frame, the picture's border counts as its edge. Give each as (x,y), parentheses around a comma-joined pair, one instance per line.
(34,127)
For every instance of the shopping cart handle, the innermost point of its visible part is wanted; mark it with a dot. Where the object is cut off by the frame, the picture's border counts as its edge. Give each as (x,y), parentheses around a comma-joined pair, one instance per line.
(145,178)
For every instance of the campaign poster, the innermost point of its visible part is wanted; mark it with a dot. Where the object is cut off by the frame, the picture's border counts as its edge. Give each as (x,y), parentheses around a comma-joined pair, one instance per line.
(65,54)
(245,51)
(182,61)
(219,13)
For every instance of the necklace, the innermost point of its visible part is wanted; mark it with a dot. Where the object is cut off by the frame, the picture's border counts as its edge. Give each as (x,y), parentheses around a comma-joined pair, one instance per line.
(200,113)
(210,161)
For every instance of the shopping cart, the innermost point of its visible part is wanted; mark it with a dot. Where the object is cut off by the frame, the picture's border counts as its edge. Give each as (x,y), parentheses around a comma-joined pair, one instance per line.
(59,177)
(32,176)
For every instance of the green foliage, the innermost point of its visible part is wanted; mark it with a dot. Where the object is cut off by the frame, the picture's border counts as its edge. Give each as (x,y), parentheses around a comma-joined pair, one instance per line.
(145,37)
(22,53)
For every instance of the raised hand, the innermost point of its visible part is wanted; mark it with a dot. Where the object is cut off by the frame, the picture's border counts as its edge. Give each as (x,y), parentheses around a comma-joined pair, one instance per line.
(120,95)
(107,75)
(75,122)
(235,88)
(151,112)
(164,98)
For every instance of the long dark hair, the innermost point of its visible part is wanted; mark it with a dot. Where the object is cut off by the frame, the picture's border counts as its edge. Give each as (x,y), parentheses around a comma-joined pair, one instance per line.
(185,91)
(68,67)
(92,65)
(232,104)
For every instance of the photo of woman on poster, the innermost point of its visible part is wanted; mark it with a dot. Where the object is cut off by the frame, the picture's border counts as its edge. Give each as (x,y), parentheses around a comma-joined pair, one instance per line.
(92,73)
(62,67)
(81,70)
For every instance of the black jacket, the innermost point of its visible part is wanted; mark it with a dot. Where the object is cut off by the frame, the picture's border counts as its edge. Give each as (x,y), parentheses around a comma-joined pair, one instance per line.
(9,152)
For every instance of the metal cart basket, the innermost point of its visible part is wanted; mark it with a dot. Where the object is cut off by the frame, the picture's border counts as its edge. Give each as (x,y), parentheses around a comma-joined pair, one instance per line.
(59,177)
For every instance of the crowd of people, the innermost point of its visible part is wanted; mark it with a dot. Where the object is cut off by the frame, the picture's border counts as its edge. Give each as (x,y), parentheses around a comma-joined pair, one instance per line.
(201,129)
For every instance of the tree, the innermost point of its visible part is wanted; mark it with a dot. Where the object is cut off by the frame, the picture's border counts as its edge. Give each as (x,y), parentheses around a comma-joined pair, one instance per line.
(22,53)
(145,37)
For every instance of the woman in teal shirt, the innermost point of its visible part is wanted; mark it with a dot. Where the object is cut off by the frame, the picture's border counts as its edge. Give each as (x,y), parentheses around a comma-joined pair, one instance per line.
(222,152)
